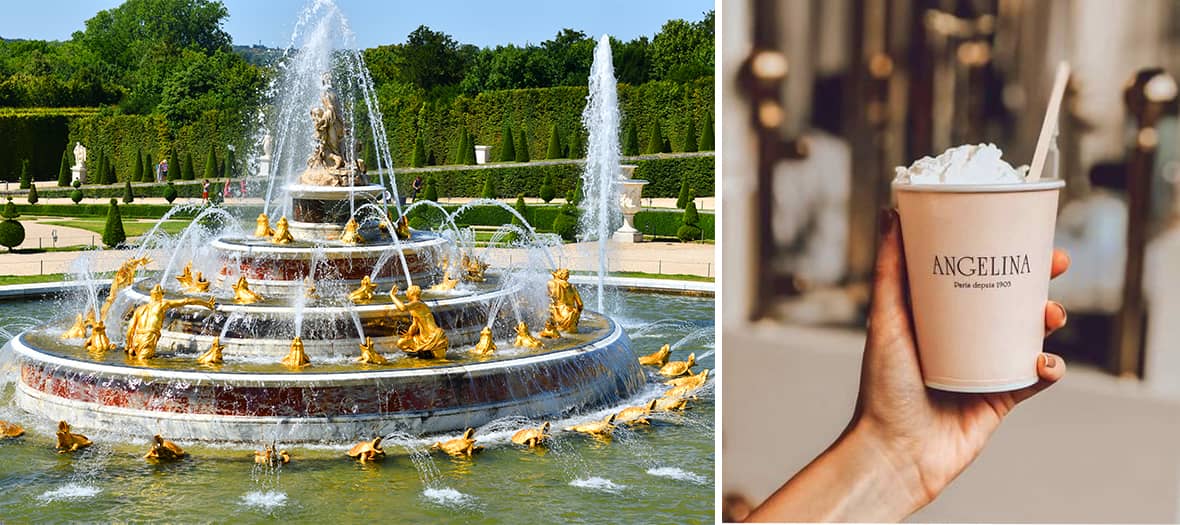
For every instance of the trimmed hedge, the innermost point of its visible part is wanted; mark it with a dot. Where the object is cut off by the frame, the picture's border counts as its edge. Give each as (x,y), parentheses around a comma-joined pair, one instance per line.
(184,189)
(651,222)
(36,137)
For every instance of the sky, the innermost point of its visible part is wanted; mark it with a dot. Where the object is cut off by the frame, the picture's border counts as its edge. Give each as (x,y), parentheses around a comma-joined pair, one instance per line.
(377,22)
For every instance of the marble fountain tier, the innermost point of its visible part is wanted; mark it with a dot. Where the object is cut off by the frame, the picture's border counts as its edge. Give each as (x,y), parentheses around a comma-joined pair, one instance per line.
(315,282)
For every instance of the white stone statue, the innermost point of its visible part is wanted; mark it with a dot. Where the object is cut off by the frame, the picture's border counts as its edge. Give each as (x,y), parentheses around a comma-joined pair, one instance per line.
(79,155)
(267,146)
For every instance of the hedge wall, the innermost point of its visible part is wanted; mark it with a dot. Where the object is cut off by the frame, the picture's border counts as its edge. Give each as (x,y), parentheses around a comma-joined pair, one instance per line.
(39,137)
(510,180)
(537,111)
(651,222)
(184,189)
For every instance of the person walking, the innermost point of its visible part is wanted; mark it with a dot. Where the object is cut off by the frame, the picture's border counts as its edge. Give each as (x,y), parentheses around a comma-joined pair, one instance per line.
(205,190)
(162,170)
(415,187)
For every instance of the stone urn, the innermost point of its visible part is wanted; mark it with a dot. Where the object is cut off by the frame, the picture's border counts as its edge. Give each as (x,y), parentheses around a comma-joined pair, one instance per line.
(631,191)
(482,154)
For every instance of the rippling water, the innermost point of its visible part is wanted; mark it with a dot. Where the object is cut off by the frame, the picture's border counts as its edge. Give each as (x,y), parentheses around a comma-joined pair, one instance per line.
(657,474)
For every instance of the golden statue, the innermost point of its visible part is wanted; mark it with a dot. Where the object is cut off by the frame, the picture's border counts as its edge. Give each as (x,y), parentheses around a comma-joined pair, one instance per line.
(486,346)
(191,283)
(595,428)
(98,343)
(668,404)
(364,293)
(143,330)
(164,450)
(282,232)
(679,368)
(351,235)
(473,268)
(11,430)
(243,294)
(524,339)
(636,415)
(684,391)
(262,227)
(296,358)
(369,355)
(657,358)
(309,289)
(270,457)
(212,356)
(445,284)
(550,331)
(460,446)
(424,338)
(531,437)
(78,330)
(402,228)
(565,307)
(68,441)
(123,278)
(693,380)
(367,450)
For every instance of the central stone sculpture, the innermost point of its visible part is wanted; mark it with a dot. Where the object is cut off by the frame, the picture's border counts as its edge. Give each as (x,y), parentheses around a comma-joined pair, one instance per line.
(328,165)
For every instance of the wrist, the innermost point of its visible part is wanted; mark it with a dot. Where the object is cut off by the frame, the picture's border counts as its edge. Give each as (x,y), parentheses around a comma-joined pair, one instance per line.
(890,462)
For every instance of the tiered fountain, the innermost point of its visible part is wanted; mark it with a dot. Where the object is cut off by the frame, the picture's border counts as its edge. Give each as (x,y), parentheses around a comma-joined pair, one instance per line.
(336,321)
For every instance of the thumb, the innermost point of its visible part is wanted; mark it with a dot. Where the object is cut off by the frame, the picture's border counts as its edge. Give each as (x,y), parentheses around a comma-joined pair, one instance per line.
(889,282)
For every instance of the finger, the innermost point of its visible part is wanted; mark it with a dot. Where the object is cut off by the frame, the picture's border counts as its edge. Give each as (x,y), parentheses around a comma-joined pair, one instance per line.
(1055,317)
(1059,264)
(889,280)
(1050,369)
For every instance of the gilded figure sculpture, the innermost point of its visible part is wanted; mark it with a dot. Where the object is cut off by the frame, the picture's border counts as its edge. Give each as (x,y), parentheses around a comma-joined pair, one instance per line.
(473,268)
(369,354)
(190,282)
(531,437)
(601,428)
(657,358)
(212,356)
(164,450)
(669,404)
(565,306)
(297,357)
(486,345)
(98,343)
(524,339)
(270,457)
(445,284)
(309,289)
(262,229)
(10,430)
(402,228)
(351,233)
(282,232)
(636,415)
(367,450)
(693,380)
(364,293)
(460,446)
(143,330)
(81,323)
(123,278)
(550,330)
(424,338)
(243,294)
(685,391)
(68,441)
(679,368)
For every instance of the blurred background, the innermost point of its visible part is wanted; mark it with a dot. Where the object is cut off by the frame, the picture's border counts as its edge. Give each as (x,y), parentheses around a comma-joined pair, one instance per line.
(823,98)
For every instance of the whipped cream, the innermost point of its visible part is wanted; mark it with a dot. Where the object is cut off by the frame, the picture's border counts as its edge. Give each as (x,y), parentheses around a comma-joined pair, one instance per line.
(967,164)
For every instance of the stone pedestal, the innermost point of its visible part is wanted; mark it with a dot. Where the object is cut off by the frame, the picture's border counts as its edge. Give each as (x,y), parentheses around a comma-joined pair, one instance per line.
(630,195)
(482,154)
(77,173)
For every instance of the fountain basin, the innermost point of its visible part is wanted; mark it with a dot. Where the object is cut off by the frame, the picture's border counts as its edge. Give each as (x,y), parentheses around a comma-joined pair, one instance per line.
(317,406)
(262,260)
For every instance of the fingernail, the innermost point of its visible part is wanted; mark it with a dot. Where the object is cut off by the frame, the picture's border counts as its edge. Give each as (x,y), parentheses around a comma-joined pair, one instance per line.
(1060,308)
(885,220)
(1049,361)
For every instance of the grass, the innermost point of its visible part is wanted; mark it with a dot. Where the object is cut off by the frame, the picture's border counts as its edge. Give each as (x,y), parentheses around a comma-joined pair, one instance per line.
(664,276)
(131,227)
(27,279)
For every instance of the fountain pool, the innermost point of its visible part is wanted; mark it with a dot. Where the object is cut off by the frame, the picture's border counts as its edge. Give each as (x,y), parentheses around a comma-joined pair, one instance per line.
(661,474)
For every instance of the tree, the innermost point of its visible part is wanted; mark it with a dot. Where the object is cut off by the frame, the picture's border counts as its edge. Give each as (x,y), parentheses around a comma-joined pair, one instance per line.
(632,60)
(64,174)
(170,192)
(631,140)
(149,168)
(554,150)
(706,143)
(137,173)
(458,156)
(522,145)
(188,173)
(575,151)
(430,192)
(489,189)
(565,224)
(128,195)
(33,198)
(12,233)
(26,179)
(684,197)
(522,209)
(419,159)
(112,233)
(175,171)
(655,143)
(690,230)
(690,136)
(548,192)
(370,156)
(229,170)
(76,194)
(210,165)
(469,151)
(507,147)
(430,59)
(683,50)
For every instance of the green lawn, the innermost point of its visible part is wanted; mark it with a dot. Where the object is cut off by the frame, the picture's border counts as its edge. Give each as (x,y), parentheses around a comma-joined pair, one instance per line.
(26,279)
(131,227)
(666,276)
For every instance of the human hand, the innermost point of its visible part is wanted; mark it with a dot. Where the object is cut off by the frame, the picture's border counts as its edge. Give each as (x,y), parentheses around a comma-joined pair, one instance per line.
(934,433)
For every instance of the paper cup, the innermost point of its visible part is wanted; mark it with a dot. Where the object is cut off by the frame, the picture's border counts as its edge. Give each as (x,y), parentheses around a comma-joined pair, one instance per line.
(978,258)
